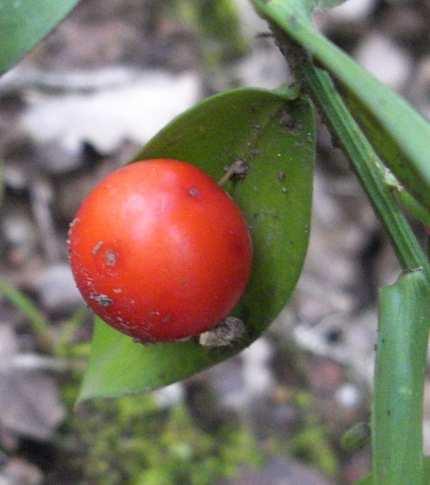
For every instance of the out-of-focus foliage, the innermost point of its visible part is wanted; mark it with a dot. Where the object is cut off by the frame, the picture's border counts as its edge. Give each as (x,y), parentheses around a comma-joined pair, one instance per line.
(311,443)
(134,441)
(217,26)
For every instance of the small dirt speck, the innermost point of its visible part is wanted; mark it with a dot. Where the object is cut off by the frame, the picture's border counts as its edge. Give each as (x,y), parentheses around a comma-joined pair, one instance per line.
(287,121)
(230,331)
(237,170)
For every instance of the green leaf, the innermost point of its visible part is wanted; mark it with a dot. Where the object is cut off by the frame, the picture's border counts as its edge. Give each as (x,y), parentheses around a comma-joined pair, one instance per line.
(406,133)
(276,137)
(23,23)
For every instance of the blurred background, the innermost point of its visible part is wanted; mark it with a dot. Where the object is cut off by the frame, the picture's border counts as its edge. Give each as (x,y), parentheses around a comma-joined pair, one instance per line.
(92,93)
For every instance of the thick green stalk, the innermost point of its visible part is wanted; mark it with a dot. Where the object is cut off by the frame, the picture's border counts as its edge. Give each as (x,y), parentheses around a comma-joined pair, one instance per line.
(367,166)
(404,312)
(403,331)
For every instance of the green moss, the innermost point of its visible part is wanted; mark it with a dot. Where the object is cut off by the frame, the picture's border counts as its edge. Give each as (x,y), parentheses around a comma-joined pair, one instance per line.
(132,441)
(312,443)
(313,446)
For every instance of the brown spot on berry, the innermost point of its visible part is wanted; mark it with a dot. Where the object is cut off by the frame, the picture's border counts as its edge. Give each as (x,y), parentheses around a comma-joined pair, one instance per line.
(110,257)
(194,192)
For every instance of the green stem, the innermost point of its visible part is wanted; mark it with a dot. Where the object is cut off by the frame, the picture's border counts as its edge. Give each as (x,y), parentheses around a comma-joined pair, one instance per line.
(406,200)
(406,132)
(404,309)
(37,320)
(367,166)
(397,414)
(401,356)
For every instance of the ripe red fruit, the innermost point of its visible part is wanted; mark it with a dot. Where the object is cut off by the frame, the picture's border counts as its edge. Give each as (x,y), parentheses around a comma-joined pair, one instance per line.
(159,251)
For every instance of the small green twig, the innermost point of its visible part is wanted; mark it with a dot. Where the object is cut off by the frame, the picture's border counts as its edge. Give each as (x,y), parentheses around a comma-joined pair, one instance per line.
(365,161)
(65,338)
(37,320)
(407,201)
(368,168)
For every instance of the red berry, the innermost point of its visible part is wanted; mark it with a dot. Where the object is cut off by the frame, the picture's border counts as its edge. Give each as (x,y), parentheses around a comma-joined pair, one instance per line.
(159,251)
